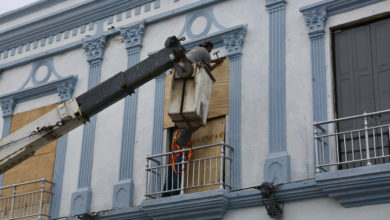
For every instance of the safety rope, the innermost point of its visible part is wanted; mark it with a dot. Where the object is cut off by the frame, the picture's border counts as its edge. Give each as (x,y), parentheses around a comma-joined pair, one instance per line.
(176,155)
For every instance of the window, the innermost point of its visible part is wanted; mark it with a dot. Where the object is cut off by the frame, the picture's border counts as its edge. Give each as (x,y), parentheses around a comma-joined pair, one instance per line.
(362,85)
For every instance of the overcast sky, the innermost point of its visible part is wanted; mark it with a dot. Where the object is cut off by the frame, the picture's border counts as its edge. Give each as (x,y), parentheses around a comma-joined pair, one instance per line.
(9,5)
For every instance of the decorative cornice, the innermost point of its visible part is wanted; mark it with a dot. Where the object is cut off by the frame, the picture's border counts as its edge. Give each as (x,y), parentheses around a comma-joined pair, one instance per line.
(26,10)
(133,35)
(95,48)
(234,42)
(65,89)
(358,186)
(273,4)
(77,44)
(317,13)
(204,205)
(63,20)
(315,20)
(353,187)
(38,91)
(7,106)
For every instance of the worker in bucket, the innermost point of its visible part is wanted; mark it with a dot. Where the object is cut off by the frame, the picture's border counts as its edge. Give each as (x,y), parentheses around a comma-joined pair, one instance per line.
(201,54)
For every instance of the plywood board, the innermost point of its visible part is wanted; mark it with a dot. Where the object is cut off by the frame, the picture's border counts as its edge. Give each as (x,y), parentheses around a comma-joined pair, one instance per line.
(40,165)
(200,172)
(219,101)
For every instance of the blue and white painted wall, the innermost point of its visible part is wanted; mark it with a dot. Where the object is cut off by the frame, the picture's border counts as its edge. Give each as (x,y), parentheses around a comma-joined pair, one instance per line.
(163,18)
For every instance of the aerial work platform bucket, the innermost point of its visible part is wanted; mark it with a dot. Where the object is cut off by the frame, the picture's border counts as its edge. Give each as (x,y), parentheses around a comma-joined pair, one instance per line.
(190,97)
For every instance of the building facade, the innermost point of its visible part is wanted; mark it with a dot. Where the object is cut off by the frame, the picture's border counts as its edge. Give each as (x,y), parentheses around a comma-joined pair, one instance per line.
(299,102)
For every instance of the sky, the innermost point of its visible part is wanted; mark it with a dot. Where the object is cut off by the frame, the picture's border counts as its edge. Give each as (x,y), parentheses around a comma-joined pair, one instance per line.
(9,5)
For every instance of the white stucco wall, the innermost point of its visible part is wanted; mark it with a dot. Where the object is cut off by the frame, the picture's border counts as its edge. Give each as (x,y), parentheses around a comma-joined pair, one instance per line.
(255,80)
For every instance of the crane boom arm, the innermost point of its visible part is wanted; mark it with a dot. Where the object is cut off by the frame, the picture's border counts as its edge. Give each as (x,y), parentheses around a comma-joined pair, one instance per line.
(67,116)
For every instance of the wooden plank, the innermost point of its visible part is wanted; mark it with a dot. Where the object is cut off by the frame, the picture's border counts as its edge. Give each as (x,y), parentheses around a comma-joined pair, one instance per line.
(219,101)
(40,165)
(167,120)
(199,171)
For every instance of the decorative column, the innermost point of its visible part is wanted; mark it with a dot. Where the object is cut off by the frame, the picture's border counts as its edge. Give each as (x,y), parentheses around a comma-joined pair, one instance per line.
(277,164)
(8,106)
(81,198)
(233,44)
(315,21)
(65,92)
(124,189)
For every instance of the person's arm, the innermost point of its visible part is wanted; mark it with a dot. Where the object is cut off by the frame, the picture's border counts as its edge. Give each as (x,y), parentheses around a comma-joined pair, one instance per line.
(216,62)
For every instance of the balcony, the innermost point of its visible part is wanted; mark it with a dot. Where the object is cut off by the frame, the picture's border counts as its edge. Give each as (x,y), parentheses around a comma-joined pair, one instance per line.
(209,169)
(29,200)
(350,142)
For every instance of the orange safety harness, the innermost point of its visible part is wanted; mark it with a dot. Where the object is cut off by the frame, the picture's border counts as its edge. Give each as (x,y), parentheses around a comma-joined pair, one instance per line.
(174,156)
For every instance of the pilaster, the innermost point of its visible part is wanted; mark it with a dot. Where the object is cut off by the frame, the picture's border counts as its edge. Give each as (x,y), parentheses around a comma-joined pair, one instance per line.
(81,199)
(124,188)
(233,44)
(277,164)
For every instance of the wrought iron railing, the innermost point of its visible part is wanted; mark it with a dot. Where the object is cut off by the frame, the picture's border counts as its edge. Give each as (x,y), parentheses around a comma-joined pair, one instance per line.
(29,200)
(208,169)
(355,141)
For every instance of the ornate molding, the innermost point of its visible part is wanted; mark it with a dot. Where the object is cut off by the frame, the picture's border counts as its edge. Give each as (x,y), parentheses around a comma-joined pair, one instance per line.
(315,20)
(234,42)
(39,91)
(317,13)
(95,48)
(273,4)
(133,35)
(65,90)
(7,106)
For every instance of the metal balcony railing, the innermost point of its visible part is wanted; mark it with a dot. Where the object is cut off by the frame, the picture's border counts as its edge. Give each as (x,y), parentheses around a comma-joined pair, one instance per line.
(355,141)
(29,200)
(209,169)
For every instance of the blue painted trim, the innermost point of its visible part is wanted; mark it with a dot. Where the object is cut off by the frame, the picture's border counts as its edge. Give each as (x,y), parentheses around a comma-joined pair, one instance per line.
(35,44)
(147,6)
(277,163)
(43,42)
(334,7)
(233,43)
(51,38)
(156,4)
(28,9)
(138,10)
(353,187)
(216,38)
(128,13)
(110,20)
(63,20)
(58,176)
(77,44)
(357,187)
(82,28)
(158,119)
(119,17)
(123,190)
(81,199)
(38,91)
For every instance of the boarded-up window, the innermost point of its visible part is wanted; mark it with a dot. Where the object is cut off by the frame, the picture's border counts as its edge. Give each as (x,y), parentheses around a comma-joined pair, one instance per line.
(201,171)
(38,166)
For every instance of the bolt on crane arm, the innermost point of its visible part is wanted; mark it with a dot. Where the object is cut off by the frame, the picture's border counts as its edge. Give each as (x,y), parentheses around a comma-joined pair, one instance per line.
(21,144)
